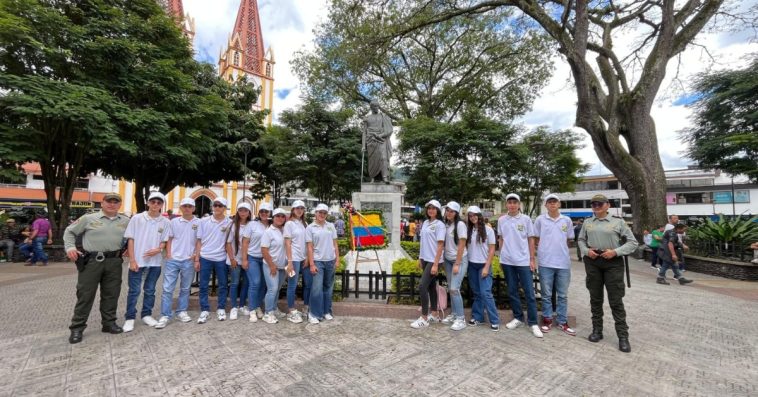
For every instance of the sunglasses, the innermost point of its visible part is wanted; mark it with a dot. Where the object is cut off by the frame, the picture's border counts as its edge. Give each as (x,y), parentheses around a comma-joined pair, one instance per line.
(596,204)
(218,205)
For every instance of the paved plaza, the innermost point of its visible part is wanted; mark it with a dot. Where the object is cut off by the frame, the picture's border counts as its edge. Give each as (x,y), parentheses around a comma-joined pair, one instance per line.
(697,340)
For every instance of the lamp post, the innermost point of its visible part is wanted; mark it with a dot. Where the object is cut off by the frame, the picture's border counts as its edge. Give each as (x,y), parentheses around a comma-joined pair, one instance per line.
(246,145)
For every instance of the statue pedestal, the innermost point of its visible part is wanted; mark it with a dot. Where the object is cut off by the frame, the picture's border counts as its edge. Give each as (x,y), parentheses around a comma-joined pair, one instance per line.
(385,197)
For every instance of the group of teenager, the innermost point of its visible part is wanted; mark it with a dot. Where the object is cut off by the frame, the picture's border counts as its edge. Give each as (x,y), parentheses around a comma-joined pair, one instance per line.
(252,256)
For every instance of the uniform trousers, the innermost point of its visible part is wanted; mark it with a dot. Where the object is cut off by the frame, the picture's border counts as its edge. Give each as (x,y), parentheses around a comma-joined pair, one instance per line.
(107,275)
(608,274)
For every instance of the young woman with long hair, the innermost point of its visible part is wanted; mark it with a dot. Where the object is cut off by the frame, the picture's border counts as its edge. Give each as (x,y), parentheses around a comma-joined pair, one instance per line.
(432,240)
(294,243)
(253,261)
(234,251)
(481,250)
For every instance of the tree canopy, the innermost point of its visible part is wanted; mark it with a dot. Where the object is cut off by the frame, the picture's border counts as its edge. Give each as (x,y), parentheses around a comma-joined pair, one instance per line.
(725,132)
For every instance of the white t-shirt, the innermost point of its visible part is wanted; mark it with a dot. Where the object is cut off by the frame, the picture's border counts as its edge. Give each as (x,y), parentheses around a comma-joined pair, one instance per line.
(254,232)
(183,235)
(147,233)
(432,232)
(322,238)
(451,248)
(478,252)
(553,234)
(273,239)
(295,231)
(237,251)
(212,236)
(515,231)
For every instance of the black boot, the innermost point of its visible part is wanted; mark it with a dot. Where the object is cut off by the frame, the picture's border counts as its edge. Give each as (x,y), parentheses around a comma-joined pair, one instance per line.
(662,280)
(683,281)
(595,336)
(112,329)
(76,336)
(624,345)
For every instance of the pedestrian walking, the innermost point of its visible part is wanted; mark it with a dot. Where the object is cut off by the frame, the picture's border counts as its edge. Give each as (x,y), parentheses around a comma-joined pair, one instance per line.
(600,241)
(656,236)
(7,232)
(432,240)
(179,267)
(253,262)
(275,257)
(577,229)
(147,236)
(323,254)
(670,249)
(456,263)
(294,244)
(98,264)
(481,251)
(238,287)
(211,245)
(41,233)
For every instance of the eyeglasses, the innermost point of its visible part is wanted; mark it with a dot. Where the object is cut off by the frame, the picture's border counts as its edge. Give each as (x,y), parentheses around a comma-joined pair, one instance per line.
(218,206)
(596,204)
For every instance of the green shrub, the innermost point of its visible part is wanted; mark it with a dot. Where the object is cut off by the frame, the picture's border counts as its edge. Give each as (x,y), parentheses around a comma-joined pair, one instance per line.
(344,246)
(411,248)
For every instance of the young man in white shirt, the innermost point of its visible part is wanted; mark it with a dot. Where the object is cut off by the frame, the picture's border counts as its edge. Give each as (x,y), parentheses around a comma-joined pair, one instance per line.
(147,235)
(211,249)
(553,232)
(516,235)
(180,256)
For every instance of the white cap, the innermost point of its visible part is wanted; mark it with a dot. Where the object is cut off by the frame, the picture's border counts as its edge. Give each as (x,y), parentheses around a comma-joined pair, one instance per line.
(322,207)
(221,201)
(187,201)
(156,195)
(298,203)
(512,196)
(266,207)
(279,211)
(434,203)
(473,210)
(551,196)
(245,206)
(452,205)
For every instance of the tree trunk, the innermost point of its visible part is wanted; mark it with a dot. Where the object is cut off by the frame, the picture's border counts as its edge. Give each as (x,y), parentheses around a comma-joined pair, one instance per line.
(140,192)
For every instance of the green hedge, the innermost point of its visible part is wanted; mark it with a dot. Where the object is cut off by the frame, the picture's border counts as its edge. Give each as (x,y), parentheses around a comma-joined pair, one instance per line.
(411,248)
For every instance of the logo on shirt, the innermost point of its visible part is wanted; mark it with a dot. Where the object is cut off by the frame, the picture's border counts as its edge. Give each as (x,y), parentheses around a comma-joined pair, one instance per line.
(194,227)
(432,227)
(520,228)
(223,229)
(564,228)
(160,231)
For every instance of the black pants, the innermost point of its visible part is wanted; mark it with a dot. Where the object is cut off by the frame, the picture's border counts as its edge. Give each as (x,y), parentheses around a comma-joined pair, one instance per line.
(107,275)
(427,288)
(609,274)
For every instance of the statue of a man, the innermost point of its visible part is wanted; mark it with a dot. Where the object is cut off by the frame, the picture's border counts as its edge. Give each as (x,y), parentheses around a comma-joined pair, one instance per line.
(377,130)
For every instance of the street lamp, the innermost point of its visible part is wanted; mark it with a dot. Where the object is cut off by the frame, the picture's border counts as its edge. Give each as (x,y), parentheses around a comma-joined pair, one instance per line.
(246,145)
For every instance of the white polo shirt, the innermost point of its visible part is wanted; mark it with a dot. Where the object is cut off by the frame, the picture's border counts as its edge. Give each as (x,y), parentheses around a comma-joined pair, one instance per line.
(515,231)
(553,234)
(183,235)
(322,238)
(451,248)
(212,236)
(254,232)
(478,252)
(273,239)
(431,233)
(230,239)
(295,232)
(147,233)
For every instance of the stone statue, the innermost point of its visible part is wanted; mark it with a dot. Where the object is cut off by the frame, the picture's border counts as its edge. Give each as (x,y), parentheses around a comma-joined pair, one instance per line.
(377,130)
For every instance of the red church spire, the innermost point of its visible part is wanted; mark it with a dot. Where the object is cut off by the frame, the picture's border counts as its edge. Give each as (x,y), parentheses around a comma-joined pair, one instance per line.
(248,26)
(176,8)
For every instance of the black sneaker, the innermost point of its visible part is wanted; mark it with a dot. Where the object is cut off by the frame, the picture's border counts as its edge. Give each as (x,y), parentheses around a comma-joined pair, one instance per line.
(495,327)
(473,322)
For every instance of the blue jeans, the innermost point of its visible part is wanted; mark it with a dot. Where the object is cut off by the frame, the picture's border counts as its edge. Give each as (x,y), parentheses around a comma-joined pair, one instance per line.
(206,269)
(292,284)
(666,265)
(39,252)
(562,278)
(514,276)
(273,285)
(26,250)
(307,282)
(151,275)
(454,282)
(238,293)
(256,284)
(482,290)
(175,270)
(322,288)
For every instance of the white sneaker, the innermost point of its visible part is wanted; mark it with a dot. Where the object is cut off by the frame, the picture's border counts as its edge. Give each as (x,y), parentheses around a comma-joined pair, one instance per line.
(128,326)
(245,311)
(449,319)
(149,321)
(253,317)
(312,320)
(515,323)
(536,331)
(221,314)
(162,323)
(458,324)
(432,319)
(328,316)
(184,317)
(270,318)
(259,312)
(203,317)
(233,314)
(420,323)
(295,317)
(279,314)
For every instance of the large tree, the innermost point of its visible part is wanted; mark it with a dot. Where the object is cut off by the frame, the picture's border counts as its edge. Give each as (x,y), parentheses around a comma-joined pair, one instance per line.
(725,132)
(436,71)
(615,89)
(282,168)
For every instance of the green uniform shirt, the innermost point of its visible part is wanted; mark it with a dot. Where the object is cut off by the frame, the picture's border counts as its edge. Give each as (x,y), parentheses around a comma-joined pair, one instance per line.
(655,243)
(100,232)
(605,233)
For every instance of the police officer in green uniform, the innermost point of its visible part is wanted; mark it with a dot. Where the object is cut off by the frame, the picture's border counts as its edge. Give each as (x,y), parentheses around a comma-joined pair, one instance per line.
(600,242)
(102,240)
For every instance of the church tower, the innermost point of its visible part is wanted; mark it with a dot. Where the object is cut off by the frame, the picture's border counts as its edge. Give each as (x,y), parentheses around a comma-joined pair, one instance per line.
(245,56)
(175,8)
